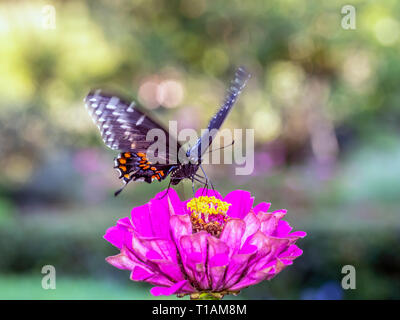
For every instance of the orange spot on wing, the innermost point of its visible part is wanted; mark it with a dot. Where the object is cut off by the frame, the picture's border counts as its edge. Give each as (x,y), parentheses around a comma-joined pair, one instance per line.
(126,176)
(146,167)
(123,168)
(127,155)
(140,154)
(122,161)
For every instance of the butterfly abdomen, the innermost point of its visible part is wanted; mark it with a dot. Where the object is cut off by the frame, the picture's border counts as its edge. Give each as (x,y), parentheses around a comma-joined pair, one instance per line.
(183,171)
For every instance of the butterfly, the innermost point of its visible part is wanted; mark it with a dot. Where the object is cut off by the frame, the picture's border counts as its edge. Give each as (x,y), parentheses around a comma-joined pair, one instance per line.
(124,127)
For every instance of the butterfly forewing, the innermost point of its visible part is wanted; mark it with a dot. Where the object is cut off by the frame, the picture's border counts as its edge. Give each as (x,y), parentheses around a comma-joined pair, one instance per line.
(124,127)
(237,85)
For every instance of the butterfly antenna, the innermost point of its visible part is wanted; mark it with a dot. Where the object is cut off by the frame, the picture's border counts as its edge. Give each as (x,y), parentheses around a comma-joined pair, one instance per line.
(231,144)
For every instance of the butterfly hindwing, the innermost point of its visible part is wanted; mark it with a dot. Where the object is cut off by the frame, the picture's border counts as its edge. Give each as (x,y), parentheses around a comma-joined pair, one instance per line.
(136,166)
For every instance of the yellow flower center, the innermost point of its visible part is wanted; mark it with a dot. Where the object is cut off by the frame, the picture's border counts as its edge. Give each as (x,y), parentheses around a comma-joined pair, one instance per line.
(208,213)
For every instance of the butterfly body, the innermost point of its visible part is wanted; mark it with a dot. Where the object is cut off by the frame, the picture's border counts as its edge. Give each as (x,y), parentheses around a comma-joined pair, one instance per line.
(123,126)
(183,171)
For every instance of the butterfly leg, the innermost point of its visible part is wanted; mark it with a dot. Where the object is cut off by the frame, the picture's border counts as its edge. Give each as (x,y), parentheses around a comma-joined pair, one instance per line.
(207,180)
(198,180)
(166,192)
(193,178)
(205,185)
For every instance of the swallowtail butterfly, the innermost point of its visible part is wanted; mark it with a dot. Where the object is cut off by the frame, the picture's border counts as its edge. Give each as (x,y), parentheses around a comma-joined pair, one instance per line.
(124,127)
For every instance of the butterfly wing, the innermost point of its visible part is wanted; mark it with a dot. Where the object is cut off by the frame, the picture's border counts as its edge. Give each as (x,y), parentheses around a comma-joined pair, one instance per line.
(124,127)
(203,143)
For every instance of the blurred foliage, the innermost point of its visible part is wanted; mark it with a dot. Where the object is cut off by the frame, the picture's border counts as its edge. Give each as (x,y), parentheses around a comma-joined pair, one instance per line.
(323,102)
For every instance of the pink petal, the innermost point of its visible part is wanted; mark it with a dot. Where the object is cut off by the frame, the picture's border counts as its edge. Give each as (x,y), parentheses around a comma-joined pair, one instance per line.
(194,257)
(150,220)
(252,226)
(285,259)
(291,253)
(265,264)
(170,269)
(208,193)
(241,201)
(180,225)
(298,234)
(120,234)
(140,274)
(250,280)
(218,260)
(248,249)
(237,265)
(283,228)
(116,236)
(269,221)
(155,279)
(121,261)
(160,249)
(261,207)
(169,202)
(217,252)
(232,234)
(163,291)
(142,221)
(261,242)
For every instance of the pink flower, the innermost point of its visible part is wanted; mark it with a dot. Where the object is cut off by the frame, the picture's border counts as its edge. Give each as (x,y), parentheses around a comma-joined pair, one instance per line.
(208,245)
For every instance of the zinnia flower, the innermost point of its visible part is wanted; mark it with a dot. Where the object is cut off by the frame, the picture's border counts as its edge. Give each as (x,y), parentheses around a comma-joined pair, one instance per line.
(207,247)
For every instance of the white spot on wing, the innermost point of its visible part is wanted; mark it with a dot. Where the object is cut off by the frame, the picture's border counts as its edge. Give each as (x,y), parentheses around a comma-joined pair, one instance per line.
(112,104)
(131,106)
(140,120)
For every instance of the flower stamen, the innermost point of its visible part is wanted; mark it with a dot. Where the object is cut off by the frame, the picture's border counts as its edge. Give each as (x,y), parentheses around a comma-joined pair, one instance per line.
(209,214)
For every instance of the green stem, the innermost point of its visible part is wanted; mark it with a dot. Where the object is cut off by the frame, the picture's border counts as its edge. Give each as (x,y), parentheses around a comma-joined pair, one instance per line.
(206,296)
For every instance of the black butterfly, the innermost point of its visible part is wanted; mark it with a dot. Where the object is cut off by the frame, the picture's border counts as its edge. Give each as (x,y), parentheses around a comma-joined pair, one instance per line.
(124,127)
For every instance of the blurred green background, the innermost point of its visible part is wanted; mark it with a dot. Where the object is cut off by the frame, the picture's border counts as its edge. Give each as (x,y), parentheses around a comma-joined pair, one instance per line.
(324,103)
